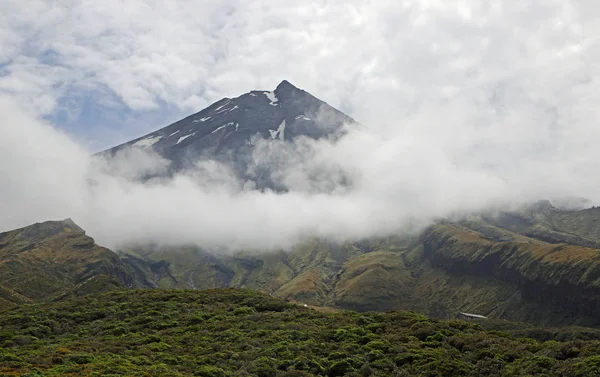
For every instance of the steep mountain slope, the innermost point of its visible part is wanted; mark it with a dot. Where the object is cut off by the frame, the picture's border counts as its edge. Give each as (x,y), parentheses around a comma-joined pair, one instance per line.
(562,279)
(227,130)
(47,260)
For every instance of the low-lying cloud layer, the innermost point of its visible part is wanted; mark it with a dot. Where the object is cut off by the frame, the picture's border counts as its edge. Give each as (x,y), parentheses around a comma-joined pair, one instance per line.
(469,104)
(450,159)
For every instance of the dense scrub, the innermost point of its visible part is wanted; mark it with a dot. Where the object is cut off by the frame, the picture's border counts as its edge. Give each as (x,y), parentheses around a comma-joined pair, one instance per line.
(228,332)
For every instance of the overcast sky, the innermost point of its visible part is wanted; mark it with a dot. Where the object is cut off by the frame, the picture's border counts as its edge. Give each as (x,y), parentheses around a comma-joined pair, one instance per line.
(109,71)
(502,94)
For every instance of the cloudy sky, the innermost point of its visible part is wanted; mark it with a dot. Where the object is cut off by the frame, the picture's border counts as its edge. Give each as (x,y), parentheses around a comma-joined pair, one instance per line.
(502,94)
(108,71)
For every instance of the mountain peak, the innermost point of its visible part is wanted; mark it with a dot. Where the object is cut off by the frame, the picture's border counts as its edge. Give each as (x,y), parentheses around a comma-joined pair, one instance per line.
(48,229)
(225,130)
(285,90)
(543,206)
(285,85)
(70,224)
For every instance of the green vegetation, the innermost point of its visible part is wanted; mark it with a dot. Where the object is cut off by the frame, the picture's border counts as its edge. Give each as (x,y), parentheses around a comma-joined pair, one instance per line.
(536,265)
(229,332)
(54,259)
(473,266)
(544,222)
(560,279)
(66,311)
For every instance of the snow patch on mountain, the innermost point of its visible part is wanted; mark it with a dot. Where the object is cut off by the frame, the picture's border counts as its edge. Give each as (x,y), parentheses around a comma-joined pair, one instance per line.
(201,119)
(272,97)
(279,132)
(174,133)
(223,105)
(226,110)
(225,125)
(184,137)
(147,142)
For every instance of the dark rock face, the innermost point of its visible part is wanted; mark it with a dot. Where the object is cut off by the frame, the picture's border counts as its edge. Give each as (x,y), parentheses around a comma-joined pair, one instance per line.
(225,130)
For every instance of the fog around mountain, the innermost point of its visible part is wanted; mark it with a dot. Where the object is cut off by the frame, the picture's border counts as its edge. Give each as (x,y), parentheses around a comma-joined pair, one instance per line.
(448,161)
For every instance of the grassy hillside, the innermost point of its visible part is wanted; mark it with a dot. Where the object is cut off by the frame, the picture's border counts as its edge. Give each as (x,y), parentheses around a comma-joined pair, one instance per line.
(383,276)
(534,265)
(546,223)
(351,275)
(538,264)
(562,280)
(229,332)
(48,260)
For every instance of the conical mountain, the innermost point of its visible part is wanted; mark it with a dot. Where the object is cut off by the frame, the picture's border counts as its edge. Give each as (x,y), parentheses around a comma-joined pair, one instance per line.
(226,129)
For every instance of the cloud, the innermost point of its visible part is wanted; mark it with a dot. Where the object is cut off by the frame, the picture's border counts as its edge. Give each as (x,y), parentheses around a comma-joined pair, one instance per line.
(376,61)
(469,104)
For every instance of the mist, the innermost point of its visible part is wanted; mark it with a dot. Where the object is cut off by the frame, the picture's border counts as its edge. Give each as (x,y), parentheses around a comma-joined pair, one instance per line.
(450,158)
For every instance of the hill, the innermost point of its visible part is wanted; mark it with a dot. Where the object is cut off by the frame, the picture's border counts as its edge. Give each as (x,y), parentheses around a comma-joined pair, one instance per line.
(369,275)
(46,261)
(473,265)
(228,332)
(530,265)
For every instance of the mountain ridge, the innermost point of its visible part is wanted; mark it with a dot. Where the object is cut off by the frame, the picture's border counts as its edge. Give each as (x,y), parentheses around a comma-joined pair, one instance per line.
(46,260)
